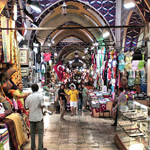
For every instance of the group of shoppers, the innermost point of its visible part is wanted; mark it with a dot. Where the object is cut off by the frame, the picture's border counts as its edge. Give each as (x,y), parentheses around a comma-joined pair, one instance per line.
(76,97)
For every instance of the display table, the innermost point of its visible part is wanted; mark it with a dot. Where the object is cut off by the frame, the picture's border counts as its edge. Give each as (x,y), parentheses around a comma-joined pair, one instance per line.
(133,128)
(98,103)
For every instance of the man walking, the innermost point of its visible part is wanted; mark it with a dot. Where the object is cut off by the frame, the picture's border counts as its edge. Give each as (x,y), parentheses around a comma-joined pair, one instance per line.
(35,104)
(74,98)
(84,96)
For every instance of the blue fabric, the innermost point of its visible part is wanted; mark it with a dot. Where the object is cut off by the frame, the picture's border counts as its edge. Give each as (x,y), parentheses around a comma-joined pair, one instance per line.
(143,83)
(121,66)
(121,57)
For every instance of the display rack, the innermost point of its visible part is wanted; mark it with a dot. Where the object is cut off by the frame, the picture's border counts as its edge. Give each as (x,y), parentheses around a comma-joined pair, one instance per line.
(133,128)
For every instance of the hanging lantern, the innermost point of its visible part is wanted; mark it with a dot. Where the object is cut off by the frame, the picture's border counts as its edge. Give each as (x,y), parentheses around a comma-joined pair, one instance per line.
(64,8)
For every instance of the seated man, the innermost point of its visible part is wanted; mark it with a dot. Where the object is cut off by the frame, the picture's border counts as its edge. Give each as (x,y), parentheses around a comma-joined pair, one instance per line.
(48,88)
(139,95)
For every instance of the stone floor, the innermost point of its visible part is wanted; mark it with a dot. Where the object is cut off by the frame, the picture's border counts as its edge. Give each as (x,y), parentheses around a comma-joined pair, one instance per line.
(81,132)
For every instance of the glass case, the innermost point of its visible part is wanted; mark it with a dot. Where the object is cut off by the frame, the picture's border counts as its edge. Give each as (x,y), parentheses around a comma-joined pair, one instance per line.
(133,127)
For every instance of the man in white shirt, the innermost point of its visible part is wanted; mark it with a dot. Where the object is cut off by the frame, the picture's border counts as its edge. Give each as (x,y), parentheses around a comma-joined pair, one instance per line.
(35,104)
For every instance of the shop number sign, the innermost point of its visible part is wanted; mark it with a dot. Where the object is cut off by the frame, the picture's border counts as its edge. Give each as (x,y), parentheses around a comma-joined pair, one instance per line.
(148,49)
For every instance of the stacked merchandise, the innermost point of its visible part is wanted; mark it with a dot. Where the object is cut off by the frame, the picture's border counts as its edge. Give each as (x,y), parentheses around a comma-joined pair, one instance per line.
(98,102)
(4,139)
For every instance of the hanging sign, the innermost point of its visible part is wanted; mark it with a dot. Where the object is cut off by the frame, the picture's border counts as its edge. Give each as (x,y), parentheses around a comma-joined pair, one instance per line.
(148,49)
(2,4)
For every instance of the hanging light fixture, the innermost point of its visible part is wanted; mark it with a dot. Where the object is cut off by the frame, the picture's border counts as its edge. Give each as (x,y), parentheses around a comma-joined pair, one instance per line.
(29,16)
(64,8)
(129,4)
(105,33)
(34,5)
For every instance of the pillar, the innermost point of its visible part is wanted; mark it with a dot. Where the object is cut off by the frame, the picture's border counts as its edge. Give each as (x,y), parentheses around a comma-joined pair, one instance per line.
(118,22)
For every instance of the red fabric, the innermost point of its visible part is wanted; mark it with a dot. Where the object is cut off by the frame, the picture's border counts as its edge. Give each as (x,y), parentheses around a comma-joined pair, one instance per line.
(2,116)
(20,107)
(115,55)
(59,70)
(109,73)
(103,107)
(47,56)
(7,99)
(115,72)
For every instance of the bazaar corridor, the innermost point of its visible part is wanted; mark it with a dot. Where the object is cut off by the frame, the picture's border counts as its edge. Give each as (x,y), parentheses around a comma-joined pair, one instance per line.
(81,132)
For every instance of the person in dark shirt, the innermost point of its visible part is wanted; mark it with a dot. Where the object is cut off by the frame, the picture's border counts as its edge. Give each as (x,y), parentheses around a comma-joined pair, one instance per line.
(80,97)
(139,95)
(62,99)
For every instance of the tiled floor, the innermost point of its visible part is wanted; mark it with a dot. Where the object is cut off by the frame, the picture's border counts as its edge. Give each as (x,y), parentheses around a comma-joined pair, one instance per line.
(81,132)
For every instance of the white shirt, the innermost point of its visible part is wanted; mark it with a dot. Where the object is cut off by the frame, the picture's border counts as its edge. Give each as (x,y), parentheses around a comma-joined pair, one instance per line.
(34,102)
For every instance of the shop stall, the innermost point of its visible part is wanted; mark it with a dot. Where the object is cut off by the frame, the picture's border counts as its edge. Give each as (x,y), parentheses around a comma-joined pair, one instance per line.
(132,130)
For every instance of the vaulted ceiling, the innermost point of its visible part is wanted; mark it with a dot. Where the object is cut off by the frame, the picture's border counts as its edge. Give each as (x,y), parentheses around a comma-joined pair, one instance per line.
(82,13)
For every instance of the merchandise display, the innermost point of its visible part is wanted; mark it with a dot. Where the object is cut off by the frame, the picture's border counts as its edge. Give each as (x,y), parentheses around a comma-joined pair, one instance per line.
(99,102)
(132,128)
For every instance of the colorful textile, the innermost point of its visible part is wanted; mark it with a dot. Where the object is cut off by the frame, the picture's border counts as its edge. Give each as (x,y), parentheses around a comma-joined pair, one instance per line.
(47,56)
(18,128)
(1,108)
(2,116)
(12,136)
(24,126)
(7,99)
(1,47)
(102,107)
(4,138)
(7,105)
(6,50)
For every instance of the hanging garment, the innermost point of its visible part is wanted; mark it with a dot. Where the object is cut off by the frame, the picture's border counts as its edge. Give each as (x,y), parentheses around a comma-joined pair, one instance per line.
(4,38)
(124,80)
(47,56)
(130,79)
(112,54)
(1,48)
(109,74)
(135,64)
(121,57)
(115,54)
(143,83)
(141,63)
(137,78)
(121,65)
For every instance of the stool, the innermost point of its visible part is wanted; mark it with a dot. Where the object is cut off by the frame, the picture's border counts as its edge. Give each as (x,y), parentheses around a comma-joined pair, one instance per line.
(104,111)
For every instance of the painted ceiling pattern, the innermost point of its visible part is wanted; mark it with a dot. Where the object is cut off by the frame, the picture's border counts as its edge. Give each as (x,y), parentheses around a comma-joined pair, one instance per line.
(133,33)
(144,9)
(106,7)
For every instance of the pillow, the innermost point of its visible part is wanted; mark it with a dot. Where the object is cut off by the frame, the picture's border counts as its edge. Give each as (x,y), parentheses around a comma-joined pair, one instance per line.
(7,105)
(7,86)
(12,92)
(8,112)
(9,73)
(2,116)
(1,108)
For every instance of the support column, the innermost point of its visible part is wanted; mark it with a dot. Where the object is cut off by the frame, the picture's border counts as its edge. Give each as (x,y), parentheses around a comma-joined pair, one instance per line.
(148,65)
(118,22)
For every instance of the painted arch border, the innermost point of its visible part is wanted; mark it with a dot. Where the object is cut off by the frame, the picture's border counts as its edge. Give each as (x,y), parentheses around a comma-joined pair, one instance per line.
(49,9)
(127,23)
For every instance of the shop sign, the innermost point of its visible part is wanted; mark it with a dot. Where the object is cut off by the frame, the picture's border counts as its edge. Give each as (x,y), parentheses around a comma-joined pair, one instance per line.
(24,56)
(2,4)
(25,71)
(148,49)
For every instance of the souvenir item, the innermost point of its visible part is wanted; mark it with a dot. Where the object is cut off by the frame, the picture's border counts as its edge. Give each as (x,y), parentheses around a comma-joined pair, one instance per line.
(130,79)
(137,78)
(141,63)
(135,64)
